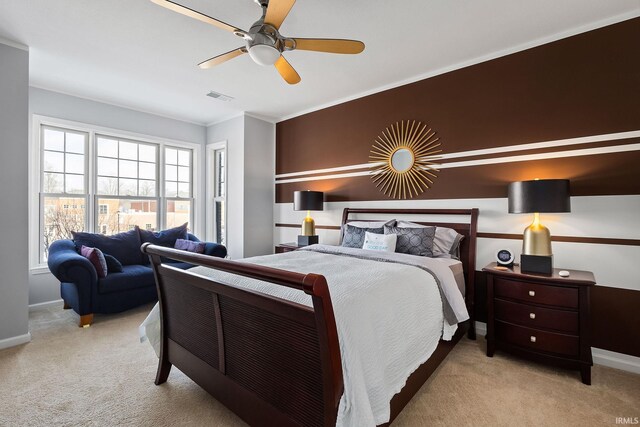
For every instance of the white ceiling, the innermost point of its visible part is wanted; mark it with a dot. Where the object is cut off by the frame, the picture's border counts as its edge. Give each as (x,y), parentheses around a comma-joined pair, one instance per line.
(136,54)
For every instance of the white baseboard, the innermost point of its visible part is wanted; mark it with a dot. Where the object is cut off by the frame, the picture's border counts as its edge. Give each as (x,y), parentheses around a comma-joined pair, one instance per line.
(612,359)
(602,357)
(13,341)
(44,305)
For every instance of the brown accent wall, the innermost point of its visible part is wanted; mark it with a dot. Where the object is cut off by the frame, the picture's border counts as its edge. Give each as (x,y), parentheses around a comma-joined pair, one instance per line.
(579,86)
(583,85)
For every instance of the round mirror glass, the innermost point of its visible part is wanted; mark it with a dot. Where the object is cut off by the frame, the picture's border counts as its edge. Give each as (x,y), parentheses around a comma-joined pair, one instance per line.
(402,160)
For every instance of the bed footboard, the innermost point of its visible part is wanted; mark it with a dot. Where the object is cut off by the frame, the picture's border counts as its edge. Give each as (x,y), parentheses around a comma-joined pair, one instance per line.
(271,361)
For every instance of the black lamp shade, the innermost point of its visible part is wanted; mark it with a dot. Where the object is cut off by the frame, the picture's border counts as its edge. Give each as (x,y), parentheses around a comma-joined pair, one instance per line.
(308,200)
(541,195)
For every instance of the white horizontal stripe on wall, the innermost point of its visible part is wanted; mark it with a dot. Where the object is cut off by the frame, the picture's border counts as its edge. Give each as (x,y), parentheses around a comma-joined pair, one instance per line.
(591,216)
(496,150)
(496,160)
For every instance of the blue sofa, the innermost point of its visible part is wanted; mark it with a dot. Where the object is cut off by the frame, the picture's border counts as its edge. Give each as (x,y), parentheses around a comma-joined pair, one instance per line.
(86,293)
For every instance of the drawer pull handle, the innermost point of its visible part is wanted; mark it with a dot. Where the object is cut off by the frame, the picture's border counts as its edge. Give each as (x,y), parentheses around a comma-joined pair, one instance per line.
(533,339)
(532,315)
(532,293)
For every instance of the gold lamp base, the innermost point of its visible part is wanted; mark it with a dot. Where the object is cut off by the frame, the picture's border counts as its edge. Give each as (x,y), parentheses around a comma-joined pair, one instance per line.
(536,249)
(308,226)
(308,236)
(536,239)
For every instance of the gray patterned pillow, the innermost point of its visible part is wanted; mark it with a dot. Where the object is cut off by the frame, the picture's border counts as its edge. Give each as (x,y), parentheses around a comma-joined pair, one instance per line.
(414,241)
(354,236)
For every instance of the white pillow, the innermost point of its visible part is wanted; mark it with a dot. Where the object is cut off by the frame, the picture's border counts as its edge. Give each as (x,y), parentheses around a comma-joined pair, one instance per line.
(380,242)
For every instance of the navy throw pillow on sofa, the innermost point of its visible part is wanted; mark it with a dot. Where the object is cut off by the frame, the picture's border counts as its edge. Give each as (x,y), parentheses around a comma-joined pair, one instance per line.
(125,247)
(113,265)
(165,237)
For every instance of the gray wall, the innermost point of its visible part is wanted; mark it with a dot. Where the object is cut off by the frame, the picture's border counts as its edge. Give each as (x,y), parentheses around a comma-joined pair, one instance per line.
(43,287)
(53,104)
(14,104)
(259,191)
(232,132)
(250,190)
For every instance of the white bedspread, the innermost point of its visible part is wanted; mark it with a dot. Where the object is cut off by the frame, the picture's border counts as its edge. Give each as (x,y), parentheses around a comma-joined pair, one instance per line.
(389,318)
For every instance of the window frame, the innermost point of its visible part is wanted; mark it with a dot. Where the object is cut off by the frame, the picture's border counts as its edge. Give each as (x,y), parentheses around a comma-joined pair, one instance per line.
(36,198)
(212,196)
(191,199)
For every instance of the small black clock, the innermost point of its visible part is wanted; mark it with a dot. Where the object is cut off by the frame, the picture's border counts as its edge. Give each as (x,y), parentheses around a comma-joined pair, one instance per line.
(505,258)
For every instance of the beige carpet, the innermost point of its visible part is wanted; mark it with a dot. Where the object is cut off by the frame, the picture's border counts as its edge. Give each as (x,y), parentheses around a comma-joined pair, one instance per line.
(103,376)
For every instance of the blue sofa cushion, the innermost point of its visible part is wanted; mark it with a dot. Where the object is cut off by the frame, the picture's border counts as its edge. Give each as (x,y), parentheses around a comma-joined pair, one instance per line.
(165,237)
(131,277)
(125,247)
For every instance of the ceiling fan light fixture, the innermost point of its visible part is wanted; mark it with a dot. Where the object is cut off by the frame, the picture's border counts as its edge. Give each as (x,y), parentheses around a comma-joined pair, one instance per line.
(264,54)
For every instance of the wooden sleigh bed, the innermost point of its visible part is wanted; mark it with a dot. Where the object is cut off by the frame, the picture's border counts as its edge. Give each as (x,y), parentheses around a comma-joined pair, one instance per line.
(271,361)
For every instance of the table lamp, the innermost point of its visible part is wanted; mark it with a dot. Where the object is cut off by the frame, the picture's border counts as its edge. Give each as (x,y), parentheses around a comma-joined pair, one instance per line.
(538,196)
(308,201)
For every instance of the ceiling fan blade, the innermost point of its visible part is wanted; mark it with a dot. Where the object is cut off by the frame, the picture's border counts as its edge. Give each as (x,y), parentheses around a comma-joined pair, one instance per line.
(288,73)
(277,11)
(217,60)
(330,45)
(171,5)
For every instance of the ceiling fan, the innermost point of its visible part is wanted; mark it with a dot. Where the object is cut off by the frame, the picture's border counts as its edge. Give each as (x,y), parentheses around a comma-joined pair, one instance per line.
(263,42)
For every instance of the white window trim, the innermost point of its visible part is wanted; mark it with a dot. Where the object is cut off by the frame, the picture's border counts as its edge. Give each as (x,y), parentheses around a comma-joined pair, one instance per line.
(35,143)
(210,179)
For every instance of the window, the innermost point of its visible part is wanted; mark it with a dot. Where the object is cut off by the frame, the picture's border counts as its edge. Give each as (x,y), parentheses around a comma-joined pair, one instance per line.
(63,185)
(219,196)
(126,168)
(178,189)
(101,182)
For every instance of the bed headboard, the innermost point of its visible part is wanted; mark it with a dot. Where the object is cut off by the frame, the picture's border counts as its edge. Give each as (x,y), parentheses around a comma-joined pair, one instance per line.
(468,227)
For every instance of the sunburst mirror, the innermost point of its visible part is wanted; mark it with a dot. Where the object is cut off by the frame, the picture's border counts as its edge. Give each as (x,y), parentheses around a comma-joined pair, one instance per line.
(403,155)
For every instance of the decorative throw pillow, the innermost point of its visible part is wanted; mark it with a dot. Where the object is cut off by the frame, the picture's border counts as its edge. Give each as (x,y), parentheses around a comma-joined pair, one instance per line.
(113,265)
(414,241)
(354,236)
(372,224)
(97,259)
(380,242)
(125,247)
(446,242)
(165,237)
(190,246)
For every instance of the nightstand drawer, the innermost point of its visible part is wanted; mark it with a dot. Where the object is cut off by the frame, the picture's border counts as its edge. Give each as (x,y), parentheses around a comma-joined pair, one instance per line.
(534,339)
(537,317)
(536,293)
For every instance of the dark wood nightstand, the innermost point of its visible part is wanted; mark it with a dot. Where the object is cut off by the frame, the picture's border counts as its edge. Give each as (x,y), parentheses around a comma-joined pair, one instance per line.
(544,318)
(287,247)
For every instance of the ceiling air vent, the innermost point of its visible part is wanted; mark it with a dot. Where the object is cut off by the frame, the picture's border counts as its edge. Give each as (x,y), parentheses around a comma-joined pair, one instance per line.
(219,96)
